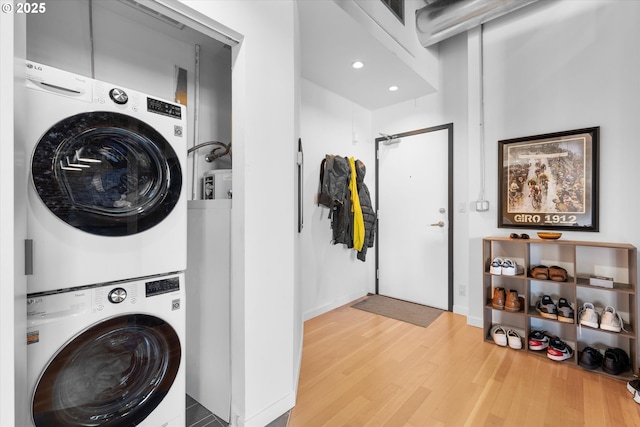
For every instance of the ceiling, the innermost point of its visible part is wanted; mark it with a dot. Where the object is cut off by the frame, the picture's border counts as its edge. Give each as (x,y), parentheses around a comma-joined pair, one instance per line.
(331,41)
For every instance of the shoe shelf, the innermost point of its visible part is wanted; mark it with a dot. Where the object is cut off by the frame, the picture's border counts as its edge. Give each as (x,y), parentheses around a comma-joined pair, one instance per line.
(541,297)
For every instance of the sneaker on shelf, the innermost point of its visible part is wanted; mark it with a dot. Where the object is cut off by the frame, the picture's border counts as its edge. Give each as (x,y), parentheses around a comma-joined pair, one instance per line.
(547,308)
(615,362)
(538,340)
(588,315)
(610,320)
(565,311)
(633,386)
(512,302)
(496,266)
(511,268)
(558,350)
(499,335)
(498,298)
(590,358)
(514,339)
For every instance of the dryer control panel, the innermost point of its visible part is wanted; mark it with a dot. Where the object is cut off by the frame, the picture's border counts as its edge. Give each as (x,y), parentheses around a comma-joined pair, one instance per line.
(163,286)
(164,108)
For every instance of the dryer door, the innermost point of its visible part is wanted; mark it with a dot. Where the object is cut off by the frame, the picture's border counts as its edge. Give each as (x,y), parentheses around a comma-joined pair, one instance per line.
(115,373)
(106,173)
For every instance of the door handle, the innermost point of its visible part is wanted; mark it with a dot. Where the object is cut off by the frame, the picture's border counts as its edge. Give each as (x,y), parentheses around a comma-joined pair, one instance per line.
(438,224)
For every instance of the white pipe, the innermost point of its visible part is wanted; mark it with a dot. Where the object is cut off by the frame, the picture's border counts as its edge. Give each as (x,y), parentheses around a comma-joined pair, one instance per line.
(93,63)
(482,154)
(196,121)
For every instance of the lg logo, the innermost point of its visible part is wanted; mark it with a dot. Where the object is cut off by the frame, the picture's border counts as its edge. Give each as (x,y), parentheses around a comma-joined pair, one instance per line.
(34,67)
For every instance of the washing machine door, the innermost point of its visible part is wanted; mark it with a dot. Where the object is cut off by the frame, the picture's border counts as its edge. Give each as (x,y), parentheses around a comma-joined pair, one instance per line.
(106,173)
(115,373)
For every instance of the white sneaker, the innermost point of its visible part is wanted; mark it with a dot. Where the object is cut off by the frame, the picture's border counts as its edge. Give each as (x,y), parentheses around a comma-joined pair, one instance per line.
(496,266)
(508,267)
(511,268)
(499,335)
(588,315)
(514,339)
(611,320)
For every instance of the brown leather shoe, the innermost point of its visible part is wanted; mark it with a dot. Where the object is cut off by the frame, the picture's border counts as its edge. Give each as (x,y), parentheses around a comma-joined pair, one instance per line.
(498,298)
(540,272)
(558,274)
(512,302)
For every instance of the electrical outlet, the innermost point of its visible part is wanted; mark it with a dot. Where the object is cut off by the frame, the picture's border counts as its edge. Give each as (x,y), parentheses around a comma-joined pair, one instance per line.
(462,290)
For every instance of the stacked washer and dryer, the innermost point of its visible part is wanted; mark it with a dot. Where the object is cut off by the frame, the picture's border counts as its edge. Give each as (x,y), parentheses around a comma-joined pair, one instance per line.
(107,227)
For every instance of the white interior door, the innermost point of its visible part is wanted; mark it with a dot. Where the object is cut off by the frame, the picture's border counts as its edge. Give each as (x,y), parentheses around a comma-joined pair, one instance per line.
(414,218)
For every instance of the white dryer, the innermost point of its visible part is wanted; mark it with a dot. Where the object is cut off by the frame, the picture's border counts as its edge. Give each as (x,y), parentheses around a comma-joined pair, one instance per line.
(106,198)
(108,355)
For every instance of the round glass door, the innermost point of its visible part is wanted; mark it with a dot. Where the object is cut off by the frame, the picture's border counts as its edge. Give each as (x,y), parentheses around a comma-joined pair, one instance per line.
(106,173)
(115,373)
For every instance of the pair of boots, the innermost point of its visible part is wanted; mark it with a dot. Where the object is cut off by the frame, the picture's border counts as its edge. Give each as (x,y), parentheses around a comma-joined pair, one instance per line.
(509,301)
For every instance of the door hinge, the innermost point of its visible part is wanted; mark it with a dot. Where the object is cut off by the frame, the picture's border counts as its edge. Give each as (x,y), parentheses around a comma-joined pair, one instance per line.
(28,257)
(377,274)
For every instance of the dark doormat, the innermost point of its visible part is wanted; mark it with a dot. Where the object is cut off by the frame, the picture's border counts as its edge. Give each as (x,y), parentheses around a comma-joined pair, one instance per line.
(409,312)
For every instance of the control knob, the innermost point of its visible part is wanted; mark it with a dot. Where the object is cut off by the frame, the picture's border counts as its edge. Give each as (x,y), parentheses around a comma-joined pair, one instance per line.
(118,96)
(117,295)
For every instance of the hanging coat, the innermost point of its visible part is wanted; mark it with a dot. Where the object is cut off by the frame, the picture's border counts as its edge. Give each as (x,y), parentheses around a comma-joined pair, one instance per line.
(368,213)
(358,221)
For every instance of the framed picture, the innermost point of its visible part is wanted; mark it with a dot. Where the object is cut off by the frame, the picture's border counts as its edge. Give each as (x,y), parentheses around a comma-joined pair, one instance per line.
(550,181)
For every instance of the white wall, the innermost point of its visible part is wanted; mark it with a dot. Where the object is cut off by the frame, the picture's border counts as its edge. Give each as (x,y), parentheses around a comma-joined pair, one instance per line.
(446,106)
(263,215)
(558,66)
(331,274)
(548,67)
(12,225)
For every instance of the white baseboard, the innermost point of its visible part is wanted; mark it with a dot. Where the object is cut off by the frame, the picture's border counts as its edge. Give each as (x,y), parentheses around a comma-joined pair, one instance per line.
(474,321)
(268,414)
(333,305)
(461,309)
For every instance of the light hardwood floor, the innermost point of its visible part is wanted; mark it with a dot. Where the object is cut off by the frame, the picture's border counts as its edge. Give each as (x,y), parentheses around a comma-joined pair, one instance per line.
(360,369)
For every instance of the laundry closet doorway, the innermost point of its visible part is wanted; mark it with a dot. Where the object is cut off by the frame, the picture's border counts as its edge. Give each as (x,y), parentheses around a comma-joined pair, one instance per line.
(414,200)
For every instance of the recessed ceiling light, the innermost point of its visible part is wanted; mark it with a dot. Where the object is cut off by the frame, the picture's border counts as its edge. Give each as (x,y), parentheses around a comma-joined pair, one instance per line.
(393,88)
(357,64)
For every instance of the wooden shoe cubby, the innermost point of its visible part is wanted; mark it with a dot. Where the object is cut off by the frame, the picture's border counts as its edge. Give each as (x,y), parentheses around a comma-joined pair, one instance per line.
(581,259)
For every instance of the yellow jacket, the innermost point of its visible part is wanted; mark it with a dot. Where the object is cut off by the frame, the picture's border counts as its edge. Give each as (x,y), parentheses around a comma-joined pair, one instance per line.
(358,220)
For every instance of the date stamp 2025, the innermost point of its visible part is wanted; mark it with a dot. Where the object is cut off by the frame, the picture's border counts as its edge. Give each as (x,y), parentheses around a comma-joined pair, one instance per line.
(26,8)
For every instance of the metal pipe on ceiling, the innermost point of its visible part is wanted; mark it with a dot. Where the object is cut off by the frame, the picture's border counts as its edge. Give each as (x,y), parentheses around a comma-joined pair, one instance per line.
(441,19)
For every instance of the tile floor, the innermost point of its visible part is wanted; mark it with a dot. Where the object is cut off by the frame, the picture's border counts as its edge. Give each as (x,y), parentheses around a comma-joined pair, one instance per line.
(199,416)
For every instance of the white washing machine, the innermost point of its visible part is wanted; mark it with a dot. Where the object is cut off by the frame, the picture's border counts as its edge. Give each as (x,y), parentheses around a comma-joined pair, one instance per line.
(106,198)
(108,355)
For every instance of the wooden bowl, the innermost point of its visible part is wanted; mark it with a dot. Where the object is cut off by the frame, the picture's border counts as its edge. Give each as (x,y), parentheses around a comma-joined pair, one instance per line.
(549,235)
